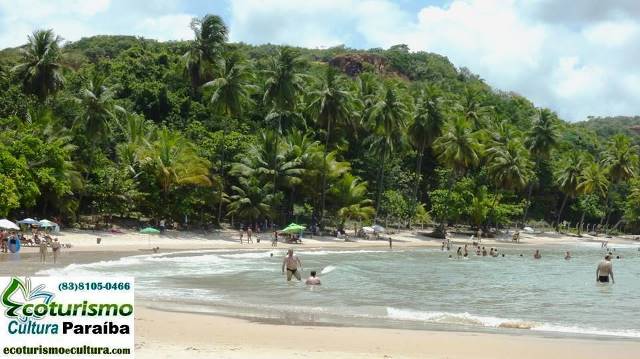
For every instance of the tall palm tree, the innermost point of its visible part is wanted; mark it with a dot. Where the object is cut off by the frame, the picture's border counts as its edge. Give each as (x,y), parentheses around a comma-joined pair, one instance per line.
(231,93)
(621,160)
(593,180)
(472,107)
(387,118)
(331,105)
(39,69)
(567,177)
(99,109)
(210,36)
(283,85)
(459,149)
(427,125)
(509,166)
(542,137)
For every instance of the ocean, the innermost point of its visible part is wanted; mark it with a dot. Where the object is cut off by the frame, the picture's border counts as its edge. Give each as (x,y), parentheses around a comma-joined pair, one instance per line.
(405,288)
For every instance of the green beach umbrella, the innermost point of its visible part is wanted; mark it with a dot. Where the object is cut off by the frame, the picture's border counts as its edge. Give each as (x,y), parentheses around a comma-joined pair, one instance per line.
(149,230)
(293,228)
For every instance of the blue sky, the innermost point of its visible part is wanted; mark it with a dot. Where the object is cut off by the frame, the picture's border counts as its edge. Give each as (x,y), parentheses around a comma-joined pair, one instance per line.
(578,58)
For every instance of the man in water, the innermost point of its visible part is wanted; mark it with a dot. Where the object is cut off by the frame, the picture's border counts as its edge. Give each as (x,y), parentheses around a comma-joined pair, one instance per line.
(567,256)
(537,254)
(313,280)
(292,262)
(604,270)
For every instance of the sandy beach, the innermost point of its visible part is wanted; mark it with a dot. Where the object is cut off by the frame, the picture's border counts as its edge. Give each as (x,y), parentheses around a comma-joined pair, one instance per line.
(161,334)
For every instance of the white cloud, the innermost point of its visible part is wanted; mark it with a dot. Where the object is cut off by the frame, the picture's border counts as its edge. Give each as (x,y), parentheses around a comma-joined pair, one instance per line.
(168,27)
(578,65)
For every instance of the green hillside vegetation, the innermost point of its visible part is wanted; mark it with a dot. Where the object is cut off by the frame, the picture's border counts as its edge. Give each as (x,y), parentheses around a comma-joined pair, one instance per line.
(212,131)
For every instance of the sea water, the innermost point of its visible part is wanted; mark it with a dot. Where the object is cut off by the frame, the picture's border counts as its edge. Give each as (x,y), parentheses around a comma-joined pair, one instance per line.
(404,288)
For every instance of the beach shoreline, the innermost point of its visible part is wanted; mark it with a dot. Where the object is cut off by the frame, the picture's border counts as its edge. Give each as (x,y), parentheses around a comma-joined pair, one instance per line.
(176,334)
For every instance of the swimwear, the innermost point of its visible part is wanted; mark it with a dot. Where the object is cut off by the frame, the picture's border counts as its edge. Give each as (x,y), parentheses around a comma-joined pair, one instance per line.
(603,279)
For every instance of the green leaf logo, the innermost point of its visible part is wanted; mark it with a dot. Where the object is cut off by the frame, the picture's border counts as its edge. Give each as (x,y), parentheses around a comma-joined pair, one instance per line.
(19,293)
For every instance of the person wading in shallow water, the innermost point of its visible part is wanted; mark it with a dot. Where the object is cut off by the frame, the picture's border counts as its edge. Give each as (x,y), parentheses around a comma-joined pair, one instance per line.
(292,262)
(604,270)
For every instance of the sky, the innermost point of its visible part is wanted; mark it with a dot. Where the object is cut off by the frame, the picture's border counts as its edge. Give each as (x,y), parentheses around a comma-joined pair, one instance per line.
(579,58)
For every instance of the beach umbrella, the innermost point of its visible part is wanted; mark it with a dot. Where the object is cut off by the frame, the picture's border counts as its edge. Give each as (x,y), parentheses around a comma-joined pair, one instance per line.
(30,222)
(293,228)
(47,223)
(7,224)
(368,229)
(149,230)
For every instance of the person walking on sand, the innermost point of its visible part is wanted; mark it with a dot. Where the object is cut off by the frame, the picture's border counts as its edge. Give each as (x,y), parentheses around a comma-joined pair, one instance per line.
(55,248)
(291,261)
(274,243)
(43,251)
(390,243)
(241,235)
(604,270)
(249,233)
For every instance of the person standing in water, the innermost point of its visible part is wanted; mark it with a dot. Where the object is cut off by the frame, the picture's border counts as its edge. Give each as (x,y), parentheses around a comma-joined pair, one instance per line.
(291,261)
(567,256)
(55,248)
(43,251)
(390,242)
(537,254)
(604,270)
(313,280)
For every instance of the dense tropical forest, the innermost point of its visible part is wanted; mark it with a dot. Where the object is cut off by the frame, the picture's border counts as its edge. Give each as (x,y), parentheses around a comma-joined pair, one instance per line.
(210,132)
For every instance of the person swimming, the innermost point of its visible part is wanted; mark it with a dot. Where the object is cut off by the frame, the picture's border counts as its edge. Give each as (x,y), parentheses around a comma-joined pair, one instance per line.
(313,280)
(291,261)
(567,256)
(605,270)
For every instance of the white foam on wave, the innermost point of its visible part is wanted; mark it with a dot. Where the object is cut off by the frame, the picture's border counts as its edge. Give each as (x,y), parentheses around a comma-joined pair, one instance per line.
(327,269)
(324,253)
(494,322)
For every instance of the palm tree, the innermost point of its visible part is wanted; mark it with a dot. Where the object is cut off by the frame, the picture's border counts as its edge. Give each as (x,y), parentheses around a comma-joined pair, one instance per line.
(459,149)
(231,93)
(621,160)
(542,137)
(509,166)
(282,87)
(428,121)
(567,177)
(593,180)
(387,117)
(39,69)
(251,200)
(351,194)
(172,159)
(210,36)
(331,105)
(98,108)
(473,109)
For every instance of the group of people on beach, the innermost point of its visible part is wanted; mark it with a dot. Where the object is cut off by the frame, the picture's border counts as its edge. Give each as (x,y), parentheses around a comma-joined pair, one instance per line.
(40,239)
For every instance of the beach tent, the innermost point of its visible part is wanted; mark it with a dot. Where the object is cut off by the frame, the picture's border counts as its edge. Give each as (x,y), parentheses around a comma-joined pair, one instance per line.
(7,224)
(377,228)
(30,222)
(293,228)
(45,223)
(528,229)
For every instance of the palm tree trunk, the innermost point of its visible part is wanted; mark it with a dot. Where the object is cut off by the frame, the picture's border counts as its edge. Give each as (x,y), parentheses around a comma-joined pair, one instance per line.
(564,202)
(381,178)
(526,208)
(324,172)
(443,230)
(493,206)
(417,186)
(580,225)
(222,163)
